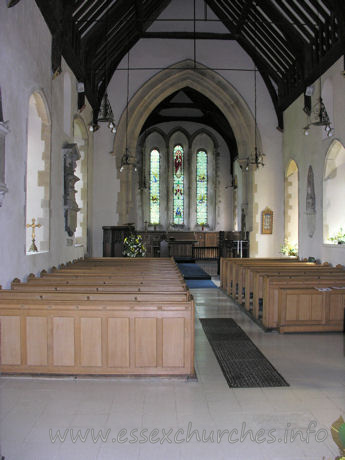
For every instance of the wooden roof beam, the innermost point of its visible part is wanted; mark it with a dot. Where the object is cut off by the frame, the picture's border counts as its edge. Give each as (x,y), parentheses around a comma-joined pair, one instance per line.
(295,21)
(244,16)
(94,16)
(77,16)
(213,4)
(120,8)
(139,15)
(189,35)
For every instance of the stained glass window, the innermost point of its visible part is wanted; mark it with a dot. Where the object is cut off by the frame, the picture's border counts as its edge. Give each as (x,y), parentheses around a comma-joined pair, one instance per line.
(154,187)
(178,185)
(201,188)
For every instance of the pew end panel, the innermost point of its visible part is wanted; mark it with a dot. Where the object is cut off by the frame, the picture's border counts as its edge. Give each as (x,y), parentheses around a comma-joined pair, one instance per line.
(132,339)
(311,310)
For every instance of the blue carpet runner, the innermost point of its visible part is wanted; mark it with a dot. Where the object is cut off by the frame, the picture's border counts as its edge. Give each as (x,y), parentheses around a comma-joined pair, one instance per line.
(200,284)
(193,272)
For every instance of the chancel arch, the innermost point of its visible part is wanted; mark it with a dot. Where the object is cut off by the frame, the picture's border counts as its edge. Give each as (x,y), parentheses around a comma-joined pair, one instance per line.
(291,203)
(38,175)
(334,191)
(80,135)
(159,87)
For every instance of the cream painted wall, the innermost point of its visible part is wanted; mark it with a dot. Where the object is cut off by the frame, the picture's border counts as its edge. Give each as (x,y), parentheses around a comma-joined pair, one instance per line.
(25,67)
(105,189)
(312,150)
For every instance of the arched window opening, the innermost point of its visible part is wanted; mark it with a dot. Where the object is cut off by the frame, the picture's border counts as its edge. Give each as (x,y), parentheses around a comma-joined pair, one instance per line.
(291,204)
(38,176)
(81,139)
(154,187)
(333,194)
(201,188)
(178,206)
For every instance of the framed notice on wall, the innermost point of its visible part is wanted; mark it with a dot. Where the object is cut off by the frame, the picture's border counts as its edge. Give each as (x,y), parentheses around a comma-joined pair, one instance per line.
(267,221)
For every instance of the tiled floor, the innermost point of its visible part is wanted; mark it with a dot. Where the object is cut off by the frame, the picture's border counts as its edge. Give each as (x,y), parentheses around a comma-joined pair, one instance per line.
(313,364)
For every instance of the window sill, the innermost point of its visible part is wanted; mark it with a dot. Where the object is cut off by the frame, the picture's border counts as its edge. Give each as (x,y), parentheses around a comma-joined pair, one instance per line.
(330,245)
(36,253)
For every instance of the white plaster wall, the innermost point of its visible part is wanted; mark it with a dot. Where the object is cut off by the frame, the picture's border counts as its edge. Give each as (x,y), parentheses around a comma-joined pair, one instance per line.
(106,186)
(312,150)
(26,66)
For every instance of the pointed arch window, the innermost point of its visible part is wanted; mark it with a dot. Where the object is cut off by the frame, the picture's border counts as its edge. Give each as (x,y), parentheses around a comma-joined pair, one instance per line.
(178,206)
(38,175)
(154,186)
(201,188)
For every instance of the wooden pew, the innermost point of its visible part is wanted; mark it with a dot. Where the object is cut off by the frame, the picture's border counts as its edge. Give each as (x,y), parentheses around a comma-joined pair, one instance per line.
(273,285)
(98,337)
(254,277)
(237,273)
(306,309)
(229,268)
(61,323)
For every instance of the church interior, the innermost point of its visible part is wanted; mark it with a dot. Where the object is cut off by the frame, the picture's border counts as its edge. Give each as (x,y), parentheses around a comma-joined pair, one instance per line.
(194,133)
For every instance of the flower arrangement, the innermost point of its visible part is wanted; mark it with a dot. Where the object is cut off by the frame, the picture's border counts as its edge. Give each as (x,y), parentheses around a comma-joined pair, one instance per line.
(289,249)
(133,246)
(339,237)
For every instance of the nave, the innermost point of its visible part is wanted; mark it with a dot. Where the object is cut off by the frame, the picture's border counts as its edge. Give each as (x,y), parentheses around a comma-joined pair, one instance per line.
(313,365)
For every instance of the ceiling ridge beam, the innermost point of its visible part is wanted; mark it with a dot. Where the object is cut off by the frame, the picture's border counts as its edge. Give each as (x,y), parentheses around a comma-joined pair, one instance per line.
(189,35)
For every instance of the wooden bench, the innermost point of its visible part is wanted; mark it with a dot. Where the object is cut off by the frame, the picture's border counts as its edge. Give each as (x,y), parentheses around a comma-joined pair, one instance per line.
(227,265)
(254,277)
(265,280)
(237,272)
(273,285)
(309,310)
(52,325)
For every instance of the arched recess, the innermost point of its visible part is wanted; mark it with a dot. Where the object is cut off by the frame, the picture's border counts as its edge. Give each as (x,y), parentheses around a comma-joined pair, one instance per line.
(291,203)
(334,191)
(159,87)
(38,174)
(80,134)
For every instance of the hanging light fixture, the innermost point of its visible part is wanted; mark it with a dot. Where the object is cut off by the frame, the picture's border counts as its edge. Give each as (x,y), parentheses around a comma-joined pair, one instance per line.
(318,112)
(127,159)
(320,117)
(105,114)
(257,158)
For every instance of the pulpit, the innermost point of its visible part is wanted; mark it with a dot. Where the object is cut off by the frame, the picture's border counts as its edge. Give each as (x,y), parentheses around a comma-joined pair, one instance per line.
(113,237)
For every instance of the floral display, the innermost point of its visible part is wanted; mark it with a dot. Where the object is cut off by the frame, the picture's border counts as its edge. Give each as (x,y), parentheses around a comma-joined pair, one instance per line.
(133,246)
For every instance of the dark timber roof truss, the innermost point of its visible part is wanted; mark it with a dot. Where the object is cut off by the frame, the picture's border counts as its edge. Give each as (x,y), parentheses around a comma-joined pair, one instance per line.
(292,42)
